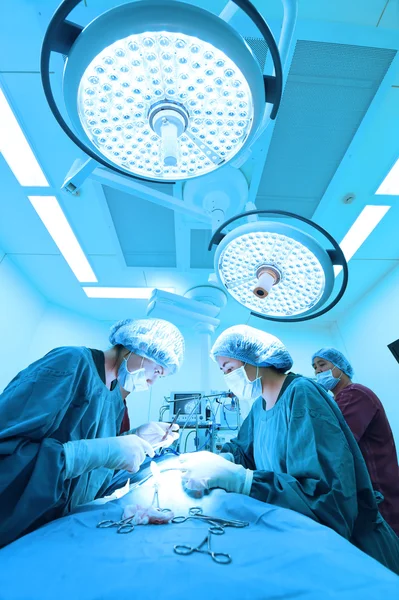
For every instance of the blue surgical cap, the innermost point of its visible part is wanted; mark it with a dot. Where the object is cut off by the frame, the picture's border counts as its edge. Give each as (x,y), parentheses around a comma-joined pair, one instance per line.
(155,339)
(336,358)
(252,346)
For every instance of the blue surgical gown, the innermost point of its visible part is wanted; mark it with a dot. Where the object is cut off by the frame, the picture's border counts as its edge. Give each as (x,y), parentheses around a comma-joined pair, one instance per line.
(57,399)
(305,458)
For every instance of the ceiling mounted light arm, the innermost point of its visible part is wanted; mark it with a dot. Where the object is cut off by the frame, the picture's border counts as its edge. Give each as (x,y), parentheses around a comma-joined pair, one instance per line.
(273,83)
(335,256)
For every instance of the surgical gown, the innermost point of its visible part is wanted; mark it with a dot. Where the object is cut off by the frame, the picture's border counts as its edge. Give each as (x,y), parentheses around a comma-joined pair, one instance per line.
(305,458)
(57,399)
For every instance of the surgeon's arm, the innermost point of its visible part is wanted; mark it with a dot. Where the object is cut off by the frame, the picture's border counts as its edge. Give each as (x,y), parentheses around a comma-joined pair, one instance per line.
(34,486)
(241,447)
(33,489)
(320,481)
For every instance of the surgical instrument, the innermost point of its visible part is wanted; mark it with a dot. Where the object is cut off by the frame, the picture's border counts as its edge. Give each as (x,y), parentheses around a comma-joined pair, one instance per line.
(123,526)
(169,429)
(217,524)
(219,557)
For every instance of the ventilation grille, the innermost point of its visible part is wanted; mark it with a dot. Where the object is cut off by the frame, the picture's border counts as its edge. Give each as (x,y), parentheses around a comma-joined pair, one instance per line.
(328,92)
(259,48)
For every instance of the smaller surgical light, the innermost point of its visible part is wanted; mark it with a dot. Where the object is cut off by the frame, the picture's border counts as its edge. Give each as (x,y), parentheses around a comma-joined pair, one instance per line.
(275,270)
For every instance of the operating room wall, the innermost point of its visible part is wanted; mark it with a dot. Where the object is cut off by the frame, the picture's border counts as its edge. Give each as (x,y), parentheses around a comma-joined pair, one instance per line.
(62,327)
(21,309)
(30,326)
(366,330)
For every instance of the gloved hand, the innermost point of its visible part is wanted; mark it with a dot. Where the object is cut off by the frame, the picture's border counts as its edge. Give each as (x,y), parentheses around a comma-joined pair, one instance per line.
(206,471)
(227,456)
(122,452)
(155,434)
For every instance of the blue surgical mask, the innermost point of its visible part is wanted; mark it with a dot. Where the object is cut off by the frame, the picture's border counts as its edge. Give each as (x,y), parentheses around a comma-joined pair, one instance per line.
(327,379)
(238,382)
(132,381)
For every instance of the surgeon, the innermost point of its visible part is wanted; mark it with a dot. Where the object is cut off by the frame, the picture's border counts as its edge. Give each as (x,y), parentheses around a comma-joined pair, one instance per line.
(61,416)
(367,420)
(294,449)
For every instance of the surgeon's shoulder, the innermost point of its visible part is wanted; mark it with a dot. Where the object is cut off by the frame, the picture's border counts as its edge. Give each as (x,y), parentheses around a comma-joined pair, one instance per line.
(65,360)
(304,388)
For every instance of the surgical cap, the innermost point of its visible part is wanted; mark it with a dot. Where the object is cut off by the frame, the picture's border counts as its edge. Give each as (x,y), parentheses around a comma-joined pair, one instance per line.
(155,339)
(252,346)
(336,358)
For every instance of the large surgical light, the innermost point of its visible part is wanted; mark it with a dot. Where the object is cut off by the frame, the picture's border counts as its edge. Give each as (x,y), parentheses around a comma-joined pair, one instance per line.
(276,270)
(160,89)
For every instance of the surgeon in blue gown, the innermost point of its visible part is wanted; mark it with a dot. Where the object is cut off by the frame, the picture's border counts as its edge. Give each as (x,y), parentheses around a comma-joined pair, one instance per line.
(294,449)
(61,416)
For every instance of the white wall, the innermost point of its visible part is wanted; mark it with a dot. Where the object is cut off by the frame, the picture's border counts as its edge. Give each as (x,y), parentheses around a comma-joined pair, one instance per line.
(62,327)
(21,309)
(30,326)
(366,330)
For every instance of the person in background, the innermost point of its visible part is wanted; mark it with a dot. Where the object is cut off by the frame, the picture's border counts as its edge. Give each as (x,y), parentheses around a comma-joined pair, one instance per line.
(368,422)
(294,449)
(61,416)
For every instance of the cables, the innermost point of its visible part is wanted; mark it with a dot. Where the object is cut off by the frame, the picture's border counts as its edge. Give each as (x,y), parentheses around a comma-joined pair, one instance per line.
(208,433)
(185,441)
(188,418)
(162,411)
(225,416)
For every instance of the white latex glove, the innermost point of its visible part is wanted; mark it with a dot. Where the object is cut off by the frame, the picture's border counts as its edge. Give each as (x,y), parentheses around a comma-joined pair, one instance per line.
(227,456)
(206,471)
(129,451)
(122,452)
(155,433)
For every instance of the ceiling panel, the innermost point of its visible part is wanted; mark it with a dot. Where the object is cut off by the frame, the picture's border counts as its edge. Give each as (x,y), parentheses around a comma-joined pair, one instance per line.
(146,231)
(329,90)
(200,257)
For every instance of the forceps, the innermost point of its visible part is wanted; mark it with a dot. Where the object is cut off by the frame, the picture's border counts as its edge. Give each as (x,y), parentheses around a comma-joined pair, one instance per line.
(123,526)
(219,557)
(217,525)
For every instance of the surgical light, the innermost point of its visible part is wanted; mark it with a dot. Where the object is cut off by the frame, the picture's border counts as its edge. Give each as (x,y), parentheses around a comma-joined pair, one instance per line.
(160,89)
(16,150)
(122,292)
(53,218)
(390,185)
(366,222)
(276,270)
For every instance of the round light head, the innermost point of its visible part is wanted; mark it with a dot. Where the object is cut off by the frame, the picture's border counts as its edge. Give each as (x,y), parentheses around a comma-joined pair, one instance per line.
(163,90)
(274,269)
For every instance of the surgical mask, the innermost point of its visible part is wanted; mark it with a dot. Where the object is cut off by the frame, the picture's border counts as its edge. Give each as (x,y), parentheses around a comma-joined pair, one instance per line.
(238,382)
(327,379)
(132,381)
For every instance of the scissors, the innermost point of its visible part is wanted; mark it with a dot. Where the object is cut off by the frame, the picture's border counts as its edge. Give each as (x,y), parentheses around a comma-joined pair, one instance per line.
(217,525)
(123,526)
(169,429)
(218,557)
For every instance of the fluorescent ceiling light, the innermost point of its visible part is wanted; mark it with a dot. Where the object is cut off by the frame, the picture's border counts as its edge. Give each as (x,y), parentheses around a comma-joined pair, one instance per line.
(142,293)
(53,218)
(368,220)
(16,150)
(390,185)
